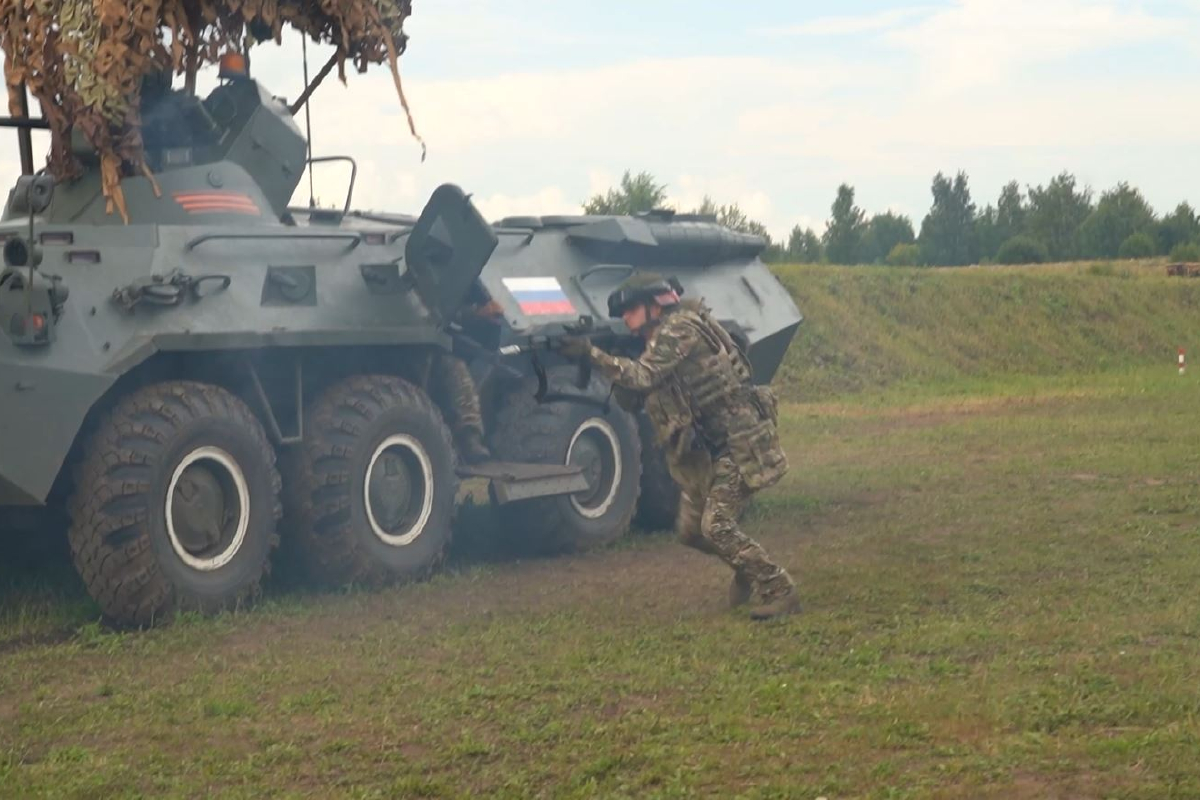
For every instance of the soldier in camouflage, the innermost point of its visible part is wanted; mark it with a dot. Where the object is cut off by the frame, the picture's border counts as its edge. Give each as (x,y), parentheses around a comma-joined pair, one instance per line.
(450,381)
(717,429)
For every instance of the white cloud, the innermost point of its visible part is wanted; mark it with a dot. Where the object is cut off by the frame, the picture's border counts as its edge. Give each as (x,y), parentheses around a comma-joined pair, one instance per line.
(10,165)
(600,181)
(519,140)
(974,85)
(850,25)
(885,140)
(688,192)
(977,42)
(9,170)
(549,200)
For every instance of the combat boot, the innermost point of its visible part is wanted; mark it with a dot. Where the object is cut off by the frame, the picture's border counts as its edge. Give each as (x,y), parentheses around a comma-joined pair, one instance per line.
(787,603)
(474,451)
(741,589)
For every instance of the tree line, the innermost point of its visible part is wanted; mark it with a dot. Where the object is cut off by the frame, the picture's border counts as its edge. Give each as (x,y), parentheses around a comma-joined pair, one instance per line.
(1058,221)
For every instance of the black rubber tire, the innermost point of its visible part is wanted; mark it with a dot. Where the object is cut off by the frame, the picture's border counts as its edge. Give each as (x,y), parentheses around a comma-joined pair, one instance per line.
(119,535)
(325,510)
(529,432)
(659,502)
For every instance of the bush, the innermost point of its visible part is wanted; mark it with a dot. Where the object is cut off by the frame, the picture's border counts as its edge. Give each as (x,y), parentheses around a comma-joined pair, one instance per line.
(1138,245)
(1022,250)
(905,255)
(1186,252)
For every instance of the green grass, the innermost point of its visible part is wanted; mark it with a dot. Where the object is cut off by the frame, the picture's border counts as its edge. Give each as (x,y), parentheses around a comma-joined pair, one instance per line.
(1000,587)
(871,327)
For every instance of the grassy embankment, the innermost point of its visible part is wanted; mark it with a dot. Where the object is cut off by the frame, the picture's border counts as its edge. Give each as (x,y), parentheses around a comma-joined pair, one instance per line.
(930,330)
(1000,585)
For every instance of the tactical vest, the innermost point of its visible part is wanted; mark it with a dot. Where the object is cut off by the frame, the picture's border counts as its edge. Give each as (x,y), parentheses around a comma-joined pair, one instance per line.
(712,398)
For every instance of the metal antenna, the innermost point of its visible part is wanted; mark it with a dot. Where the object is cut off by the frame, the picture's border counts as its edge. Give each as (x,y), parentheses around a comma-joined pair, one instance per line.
(312,200)
(24,134)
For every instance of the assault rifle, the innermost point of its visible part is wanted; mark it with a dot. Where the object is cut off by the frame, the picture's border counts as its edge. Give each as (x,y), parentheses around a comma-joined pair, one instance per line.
(626,344)
(468,348)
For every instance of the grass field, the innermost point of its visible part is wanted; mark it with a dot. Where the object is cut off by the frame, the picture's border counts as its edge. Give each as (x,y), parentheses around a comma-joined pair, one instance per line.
(1000,586)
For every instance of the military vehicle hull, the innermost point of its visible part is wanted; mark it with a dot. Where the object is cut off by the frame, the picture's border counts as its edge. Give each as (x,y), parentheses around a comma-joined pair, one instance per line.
(226,381)
(548,272)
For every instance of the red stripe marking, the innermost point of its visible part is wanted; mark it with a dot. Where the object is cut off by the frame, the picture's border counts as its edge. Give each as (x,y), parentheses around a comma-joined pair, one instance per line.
(238,206)
(245,205)
(212,196)
(224,210)
(543,309)
(221,209)
(226,200)
(217,202)
(222,201)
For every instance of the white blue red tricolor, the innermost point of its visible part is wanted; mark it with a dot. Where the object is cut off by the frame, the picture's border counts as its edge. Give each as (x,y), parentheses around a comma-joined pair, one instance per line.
(539,297)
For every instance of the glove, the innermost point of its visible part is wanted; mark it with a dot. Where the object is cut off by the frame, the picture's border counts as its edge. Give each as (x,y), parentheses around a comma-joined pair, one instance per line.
(574,348)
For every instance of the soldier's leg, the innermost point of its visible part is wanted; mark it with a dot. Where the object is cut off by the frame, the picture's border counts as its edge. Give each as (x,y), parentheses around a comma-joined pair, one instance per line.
(463,396)
(462,399)
(727,498)
(692,477)
(688,527)
(687,523)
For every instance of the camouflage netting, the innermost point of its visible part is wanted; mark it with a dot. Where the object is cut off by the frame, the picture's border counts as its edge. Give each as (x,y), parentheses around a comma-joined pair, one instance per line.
(84,60)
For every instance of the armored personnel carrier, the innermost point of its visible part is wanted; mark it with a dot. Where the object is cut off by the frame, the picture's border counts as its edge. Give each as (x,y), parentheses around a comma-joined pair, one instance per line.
(225,372)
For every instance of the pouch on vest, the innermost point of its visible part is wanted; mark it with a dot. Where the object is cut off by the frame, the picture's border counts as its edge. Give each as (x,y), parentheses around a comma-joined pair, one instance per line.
(757,451)
(768,406)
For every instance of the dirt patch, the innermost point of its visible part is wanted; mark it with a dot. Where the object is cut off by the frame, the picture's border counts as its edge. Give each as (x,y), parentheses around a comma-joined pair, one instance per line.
(41,639)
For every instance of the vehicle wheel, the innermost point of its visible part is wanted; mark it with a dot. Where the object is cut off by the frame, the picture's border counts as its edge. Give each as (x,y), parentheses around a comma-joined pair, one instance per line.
(370,494)
(176,504)
(606,444)
(659,502)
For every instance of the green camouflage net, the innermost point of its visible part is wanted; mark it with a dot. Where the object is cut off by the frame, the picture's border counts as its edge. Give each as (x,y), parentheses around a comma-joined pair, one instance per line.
(84,60)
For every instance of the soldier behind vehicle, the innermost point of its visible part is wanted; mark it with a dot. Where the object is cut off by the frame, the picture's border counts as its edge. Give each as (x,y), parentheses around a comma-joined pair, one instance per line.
(717,429)
(450,381)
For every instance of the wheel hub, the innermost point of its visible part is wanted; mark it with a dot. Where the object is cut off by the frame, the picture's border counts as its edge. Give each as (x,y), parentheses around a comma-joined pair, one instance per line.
(588,454)
(596,448)
(398,490)
(391,489)
(207,509)
(200,510)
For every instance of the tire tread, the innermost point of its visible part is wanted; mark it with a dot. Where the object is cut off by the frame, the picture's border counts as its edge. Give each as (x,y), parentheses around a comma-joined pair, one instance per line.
(531,432)
(318,503)
(110,510)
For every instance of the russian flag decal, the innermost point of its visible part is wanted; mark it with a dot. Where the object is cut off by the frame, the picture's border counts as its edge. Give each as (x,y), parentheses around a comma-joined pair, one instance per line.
(540,297)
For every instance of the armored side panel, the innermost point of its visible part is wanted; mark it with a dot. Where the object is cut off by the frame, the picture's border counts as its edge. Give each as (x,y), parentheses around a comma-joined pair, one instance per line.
(550,271)
(141,289)
(211,260)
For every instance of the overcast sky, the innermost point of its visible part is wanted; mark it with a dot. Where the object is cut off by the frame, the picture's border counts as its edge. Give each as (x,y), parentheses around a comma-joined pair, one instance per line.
(533,106)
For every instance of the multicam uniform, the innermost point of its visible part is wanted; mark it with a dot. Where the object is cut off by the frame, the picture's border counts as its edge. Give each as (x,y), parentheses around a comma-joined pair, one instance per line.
(450,380)
(717,431)
(451,383)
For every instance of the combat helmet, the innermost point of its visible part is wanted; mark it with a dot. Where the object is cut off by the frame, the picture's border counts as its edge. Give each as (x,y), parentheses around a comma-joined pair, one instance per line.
(644,287)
